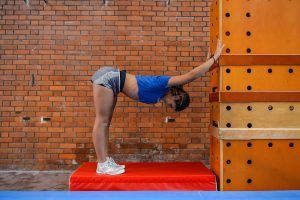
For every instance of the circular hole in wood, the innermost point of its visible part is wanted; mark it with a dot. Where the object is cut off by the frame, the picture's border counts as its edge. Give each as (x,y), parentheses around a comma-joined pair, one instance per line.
(248,14)
(227,70)
(291,108)
(227,33)
(249,180)
(248,33)
(249,70)
(249,108)
(249,162)
(270,70)
(228,162)
(291,70)
(249,144)
(270,144)
(228,107)
(249,125)
(227,50)
(249,87)
(228,180)
(228,144)
(228,125)
(270,107)
(248,50)
(227,14)
(228,87)
(291,144)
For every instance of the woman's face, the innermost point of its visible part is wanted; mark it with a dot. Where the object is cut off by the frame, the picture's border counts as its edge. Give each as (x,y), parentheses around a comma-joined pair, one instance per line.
(169,100)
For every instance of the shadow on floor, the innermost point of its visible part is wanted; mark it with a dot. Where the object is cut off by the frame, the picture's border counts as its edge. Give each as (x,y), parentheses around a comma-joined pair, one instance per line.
(35,180)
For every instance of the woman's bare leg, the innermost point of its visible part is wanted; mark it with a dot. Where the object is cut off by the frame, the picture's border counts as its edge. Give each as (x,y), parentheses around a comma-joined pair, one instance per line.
(105,102)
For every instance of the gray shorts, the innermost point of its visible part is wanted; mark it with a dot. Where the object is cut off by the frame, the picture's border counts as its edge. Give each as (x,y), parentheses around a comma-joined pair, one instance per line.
(108,77)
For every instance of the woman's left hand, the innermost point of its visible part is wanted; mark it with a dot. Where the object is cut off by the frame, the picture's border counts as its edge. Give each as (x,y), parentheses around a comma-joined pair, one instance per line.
(219,49)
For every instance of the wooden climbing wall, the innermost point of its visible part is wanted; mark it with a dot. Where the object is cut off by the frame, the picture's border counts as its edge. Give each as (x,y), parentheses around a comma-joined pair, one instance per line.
(255,95)
(256,26)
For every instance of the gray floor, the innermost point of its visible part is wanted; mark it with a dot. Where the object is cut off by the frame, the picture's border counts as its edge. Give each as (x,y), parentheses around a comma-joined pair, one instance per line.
(34,180)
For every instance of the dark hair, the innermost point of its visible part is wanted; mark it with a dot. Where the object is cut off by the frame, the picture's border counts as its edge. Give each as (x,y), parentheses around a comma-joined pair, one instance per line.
(184,100)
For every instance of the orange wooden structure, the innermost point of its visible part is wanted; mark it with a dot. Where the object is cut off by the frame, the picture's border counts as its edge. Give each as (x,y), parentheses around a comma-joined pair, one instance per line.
(256,26)
(256,78)
(255,95)
(256,164)
(256,73)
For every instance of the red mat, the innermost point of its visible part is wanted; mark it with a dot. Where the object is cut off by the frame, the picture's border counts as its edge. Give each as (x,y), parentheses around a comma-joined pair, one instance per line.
(146,176)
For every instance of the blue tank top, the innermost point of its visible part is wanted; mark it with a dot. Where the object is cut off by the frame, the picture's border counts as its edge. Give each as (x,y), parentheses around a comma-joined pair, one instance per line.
(152,88)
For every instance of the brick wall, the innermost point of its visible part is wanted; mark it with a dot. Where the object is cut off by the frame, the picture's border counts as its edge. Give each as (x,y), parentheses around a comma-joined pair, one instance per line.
(48,53)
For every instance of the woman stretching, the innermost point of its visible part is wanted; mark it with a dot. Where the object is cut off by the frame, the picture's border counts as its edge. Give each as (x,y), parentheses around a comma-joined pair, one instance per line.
(108,82)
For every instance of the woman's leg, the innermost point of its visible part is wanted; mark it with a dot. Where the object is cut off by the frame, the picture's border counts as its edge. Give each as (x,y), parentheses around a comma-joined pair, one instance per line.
(105,102)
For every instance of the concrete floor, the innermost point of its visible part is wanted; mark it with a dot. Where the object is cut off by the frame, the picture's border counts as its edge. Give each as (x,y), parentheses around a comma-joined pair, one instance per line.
(35,180)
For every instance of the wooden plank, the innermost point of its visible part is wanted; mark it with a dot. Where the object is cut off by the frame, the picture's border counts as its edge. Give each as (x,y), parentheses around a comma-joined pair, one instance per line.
(250,60)
(260,27)
(215,23)
(227,97)
(260,78)
(221,165)
(261,164)
(260,115)
(215,114)
(214,66)
(255,133)
(215,80)
(214,97)
(215,157)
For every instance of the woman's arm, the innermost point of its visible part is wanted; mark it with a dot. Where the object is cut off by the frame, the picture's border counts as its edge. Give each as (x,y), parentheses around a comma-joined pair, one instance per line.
(198,71)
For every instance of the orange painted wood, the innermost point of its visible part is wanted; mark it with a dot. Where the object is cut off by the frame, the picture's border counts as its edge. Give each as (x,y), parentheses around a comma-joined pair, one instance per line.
(215,114)
(214,24)
(260,78)
(261,165)
(249,60)
(255,133)
(215,80)
(255,78)
(254,97)
(256,26)
(215,154)
(259,115)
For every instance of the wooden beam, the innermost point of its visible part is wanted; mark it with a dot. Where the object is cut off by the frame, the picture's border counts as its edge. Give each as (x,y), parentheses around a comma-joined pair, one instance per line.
(254,97)
(255,133)
(249,60)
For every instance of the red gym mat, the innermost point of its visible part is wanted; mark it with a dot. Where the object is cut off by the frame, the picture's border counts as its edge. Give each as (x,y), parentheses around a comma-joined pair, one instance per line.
(146,176)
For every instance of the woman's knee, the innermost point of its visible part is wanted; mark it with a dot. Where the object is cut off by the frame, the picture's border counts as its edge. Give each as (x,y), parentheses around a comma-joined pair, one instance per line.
(102,122)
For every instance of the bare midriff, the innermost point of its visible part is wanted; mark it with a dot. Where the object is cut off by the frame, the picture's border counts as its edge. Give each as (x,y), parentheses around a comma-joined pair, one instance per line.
(130,86)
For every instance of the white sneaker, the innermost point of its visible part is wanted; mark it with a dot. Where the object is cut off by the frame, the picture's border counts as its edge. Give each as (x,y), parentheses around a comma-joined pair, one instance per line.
(112,162)
(107,168)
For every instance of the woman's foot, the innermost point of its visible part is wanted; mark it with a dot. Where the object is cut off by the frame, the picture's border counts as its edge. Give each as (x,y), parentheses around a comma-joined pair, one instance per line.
(109,168)
(112,162)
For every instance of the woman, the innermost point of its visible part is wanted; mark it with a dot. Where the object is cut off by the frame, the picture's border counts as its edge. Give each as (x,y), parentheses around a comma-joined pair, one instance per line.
(108,82)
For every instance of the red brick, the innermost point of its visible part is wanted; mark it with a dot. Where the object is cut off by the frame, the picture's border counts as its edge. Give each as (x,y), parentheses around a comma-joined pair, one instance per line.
(67,156)
(143,37)
(67,146)
(62,99)
(57,88)
(32,98)
(56,129)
